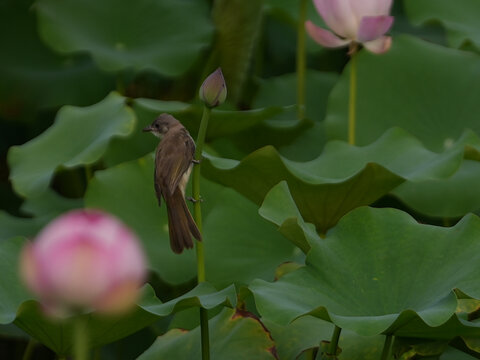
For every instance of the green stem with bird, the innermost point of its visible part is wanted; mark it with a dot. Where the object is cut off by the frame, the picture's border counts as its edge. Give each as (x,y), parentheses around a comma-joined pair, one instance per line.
(197,213)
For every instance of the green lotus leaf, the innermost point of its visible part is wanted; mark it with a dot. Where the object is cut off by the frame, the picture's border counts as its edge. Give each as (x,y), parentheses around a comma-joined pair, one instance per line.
(356,347)
(240,246)
(450,197)
(11,289)
(221,123)
(35,77)
(120,34)
(459,18)
(418,348)
(79,136)
(455,326)
(376,271)
(342,178)
(49,204)
(282,90)
(187,317)
(287,12)
(103,329)
(468,308)
(57,334)
(290,10)
(295,139)
(306,333)
(138,143)
(454,354)
(302,334)
(203,295)
(12,226)
(13,332)
(280,209)
(238,25)
(43,208)
(472,343)
(427,77)
(445,198)
(285,268)
(153,108)
(232,227)
(234,335)
(126,191)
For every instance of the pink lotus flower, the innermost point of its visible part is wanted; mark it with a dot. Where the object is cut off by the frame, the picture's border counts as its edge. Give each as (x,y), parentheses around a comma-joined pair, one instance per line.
(84,259)
(353,21)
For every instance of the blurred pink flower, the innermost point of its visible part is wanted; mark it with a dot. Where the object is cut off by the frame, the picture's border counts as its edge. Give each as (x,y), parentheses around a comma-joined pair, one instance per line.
(353,21)
(84,259)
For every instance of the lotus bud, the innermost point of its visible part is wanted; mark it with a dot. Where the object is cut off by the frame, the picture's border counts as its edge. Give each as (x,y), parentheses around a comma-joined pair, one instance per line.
(213,91)
(84,259)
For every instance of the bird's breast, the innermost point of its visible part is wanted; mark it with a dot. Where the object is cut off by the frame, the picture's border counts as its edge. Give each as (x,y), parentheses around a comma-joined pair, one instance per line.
(184,180)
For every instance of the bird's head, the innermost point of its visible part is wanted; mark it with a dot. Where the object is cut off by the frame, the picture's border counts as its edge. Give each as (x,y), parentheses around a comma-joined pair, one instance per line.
(161,125)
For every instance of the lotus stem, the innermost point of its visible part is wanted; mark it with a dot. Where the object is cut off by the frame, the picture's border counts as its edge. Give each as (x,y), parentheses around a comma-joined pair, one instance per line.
(352,99)
(197,212)
(332,350)
(197,208)
(301,60)
(80,339)
(120,85)
(29,349)
(204,334)
(88,173)
(310,354)
(386,347)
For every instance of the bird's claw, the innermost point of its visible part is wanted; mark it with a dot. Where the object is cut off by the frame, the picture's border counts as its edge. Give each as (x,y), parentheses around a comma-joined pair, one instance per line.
(194,200)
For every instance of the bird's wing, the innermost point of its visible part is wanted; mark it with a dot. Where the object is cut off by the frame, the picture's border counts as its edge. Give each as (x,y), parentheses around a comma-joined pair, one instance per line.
(173,158)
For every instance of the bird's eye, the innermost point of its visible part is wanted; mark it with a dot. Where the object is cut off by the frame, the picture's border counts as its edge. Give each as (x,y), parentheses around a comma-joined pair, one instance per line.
(157,126)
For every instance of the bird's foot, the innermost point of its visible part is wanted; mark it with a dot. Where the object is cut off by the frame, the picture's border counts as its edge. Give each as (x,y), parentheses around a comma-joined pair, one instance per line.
(195,200)
(196,162)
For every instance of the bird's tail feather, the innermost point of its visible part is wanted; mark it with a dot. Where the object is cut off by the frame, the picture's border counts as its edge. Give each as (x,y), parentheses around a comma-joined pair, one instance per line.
(181,225)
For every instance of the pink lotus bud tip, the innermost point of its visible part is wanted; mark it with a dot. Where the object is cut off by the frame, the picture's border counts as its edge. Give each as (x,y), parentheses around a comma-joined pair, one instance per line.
(213,91)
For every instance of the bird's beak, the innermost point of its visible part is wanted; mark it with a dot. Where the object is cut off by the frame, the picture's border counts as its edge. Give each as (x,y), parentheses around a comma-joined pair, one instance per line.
(147,128)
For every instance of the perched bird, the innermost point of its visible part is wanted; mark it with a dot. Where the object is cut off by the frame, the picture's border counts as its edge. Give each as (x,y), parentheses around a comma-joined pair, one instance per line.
(174,159)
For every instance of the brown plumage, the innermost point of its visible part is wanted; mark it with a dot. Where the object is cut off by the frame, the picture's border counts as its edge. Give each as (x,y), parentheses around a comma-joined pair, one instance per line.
(173,164)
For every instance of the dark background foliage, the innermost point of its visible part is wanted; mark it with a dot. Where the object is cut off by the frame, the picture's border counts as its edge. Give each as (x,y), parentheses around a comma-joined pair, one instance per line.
(79,79)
